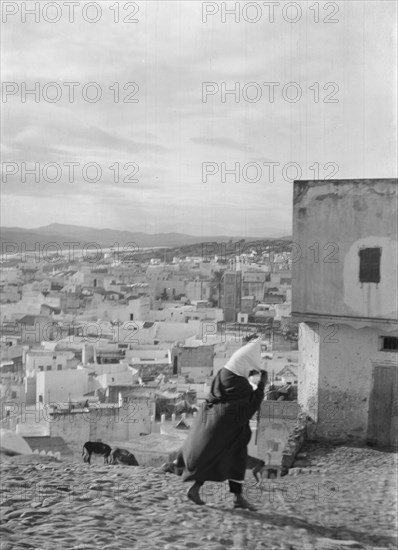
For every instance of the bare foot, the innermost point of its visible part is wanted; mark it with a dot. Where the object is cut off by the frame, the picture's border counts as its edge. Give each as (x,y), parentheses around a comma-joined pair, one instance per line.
(193,494)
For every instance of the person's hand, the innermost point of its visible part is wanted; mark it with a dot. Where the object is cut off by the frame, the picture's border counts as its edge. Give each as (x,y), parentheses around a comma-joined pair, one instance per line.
(263,376)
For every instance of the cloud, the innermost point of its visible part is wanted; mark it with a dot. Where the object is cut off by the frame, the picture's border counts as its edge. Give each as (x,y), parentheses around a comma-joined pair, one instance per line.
(223,143)
(171,131)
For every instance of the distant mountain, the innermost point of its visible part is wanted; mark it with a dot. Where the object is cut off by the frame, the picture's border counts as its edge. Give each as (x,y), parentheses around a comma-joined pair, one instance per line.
(19,237)
(108,237)
(60,234)
(285,238)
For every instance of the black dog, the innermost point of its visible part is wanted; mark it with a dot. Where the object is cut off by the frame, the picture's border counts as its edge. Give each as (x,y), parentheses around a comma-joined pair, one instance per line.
(256,465)
(122,456)
(97,448)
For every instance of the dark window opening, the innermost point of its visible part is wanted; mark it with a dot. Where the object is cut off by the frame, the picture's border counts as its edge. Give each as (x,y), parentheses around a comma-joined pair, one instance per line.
(369,265)
(389,343)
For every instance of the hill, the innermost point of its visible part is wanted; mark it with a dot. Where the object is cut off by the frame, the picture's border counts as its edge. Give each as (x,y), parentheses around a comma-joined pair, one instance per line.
(61,233)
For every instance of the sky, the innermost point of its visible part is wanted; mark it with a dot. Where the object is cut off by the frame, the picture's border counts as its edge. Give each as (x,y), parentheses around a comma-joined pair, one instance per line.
(164,138)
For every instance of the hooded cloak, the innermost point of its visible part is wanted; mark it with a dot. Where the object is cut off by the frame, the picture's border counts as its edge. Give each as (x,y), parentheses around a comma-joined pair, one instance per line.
(216,447)
(246,359)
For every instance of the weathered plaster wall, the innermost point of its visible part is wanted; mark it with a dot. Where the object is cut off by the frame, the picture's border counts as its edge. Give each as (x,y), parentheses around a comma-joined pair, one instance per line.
(333,219)
(308,369)
(105,424)
(199,355)
(276,422)
(370,299)
(338,398)
(57,386)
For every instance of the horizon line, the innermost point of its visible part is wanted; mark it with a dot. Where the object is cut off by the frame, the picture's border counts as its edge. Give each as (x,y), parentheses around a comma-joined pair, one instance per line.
(164,232)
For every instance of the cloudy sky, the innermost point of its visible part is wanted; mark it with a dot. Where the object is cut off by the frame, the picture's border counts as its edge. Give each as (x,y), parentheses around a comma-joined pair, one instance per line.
(343,121)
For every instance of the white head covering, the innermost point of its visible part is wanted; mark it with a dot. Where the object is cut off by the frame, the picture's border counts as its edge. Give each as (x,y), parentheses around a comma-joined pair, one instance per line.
(246,359)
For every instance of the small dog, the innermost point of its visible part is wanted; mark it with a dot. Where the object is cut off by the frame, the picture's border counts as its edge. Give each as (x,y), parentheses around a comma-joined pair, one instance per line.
(257,466)
(97,448)
(122,456)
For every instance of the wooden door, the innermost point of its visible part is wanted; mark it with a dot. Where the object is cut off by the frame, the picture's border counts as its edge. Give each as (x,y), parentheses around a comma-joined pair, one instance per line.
(383,405)
(394,414)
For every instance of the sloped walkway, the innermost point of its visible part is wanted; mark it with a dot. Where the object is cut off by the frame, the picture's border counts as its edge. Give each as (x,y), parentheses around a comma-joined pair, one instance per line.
(350,503)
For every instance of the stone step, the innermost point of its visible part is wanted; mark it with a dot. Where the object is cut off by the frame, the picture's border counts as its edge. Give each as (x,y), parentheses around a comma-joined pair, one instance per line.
(54,444)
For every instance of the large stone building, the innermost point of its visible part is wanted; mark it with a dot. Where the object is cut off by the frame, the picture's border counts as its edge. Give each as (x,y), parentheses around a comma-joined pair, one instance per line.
(231,303)
(345,297)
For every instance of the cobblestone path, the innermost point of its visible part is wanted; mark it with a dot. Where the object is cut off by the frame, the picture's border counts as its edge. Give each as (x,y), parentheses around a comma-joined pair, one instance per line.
(343,498)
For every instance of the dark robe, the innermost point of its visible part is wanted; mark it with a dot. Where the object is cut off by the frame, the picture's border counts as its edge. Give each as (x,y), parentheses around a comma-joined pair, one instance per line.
(216,446)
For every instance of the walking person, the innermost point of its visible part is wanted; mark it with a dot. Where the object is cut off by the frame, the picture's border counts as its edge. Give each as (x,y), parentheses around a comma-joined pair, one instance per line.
(216,447)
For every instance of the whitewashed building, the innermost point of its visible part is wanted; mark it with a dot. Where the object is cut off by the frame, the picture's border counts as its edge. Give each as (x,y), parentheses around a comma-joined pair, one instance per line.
(345,296)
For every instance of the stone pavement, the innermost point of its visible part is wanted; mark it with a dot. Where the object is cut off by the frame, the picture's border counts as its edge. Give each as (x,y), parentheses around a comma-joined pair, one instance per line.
(337,498)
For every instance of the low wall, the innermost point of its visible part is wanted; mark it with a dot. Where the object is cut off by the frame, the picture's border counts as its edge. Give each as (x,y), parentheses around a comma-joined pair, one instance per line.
(153,449)
(277,422)
(105,424)
(295,440)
